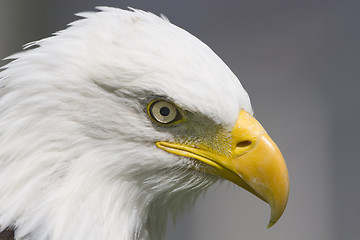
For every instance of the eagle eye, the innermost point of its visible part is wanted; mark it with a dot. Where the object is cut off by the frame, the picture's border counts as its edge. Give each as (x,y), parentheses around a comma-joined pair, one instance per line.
(163,112)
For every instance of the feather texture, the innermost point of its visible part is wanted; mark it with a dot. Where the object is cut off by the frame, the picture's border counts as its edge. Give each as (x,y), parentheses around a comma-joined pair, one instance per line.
(7,235)
(77,155)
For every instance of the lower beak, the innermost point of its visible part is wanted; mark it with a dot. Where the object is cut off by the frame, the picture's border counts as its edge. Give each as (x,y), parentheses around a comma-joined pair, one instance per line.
(255,163)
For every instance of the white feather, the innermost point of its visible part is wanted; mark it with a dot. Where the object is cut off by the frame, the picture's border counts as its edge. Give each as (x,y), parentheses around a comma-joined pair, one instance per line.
(77,152)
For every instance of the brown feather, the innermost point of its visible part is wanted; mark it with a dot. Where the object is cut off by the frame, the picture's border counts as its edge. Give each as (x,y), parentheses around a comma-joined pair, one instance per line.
(7,235)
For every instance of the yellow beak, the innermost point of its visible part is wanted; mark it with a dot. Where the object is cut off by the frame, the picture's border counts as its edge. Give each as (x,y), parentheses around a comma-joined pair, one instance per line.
(253,162)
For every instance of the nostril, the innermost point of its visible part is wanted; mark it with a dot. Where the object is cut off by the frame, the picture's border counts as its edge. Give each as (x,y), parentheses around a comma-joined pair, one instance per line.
(243,144)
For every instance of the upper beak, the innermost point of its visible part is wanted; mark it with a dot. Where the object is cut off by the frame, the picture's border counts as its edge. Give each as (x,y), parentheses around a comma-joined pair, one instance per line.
(262,166)
(255,163)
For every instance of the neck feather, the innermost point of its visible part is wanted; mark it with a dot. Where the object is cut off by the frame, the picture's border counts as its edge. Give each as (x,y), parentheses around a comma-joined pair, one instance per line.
(99,204)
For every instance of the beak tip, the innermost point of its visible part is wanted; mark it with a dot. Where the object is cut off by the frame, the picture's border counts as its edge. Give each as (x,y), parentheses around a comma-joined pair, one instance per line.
(270,224)
(276,213)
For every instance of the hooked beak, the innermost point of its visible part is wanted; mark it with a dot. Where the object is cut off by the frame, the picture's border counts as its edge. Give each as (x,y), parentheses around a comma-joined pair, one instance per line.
(255,163)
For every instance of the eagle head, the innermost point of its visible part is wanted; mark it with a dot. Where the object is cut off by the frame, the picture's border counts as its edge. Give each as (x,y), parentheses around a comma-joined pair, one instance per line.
(108,125)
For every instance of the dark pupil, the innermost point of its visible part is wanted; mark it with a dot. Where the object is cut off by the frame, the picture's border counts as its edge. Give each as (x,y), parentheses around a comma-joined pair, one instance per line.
(164,111)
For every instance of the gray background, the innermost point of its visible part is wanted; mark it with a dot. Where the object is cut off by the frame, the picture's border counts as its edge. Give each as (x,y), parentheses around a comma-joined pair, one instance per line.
(299,61)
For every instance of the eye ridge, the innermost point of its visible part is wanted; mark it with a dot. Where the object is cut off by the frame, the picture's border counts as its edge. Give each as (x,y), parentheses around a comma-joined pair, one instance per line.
(163,112)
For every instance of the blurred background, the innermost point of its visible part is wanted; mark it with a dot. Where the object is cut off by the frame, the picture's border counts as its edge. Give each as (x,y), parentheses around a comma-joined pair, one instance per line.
(299,62)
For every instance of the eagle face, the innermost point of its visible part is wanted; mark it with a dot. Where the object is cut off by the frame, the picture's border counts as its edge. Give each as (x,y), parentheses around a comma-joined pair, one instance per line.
(119,119)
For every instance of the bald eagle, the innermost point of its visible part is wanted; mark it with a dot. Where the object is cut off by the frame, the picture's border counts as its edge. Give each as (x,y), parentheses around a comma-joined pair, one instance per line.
(117,121)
